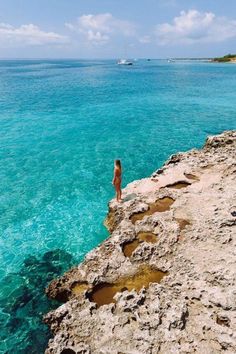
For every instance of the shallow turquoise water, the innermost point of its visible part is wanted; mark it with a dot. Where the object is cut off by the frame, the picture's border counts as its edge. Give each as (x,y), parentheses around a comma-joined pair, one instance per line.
(62,123)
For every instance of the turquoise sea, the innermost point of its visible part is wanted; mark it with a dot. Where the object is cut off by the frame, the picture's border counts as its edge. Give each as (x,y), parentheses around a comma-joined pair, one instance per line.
(62,123)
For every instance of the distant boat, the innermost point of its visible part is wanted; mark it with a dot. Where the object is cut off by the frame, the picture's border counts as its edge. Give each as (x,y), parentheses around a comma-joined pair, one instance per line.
(124,62)
(170,60)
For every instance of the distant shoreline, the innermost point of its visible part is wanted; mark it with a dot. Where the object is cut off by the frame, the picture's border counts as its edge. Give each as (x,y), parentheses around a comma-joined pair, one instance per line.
(93,59)
(229,58)
(225,58)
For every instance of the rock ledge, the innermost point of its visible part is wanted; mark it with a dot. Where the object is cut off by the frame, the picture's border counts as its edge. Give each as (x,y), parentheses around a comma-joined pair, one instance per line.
(165,280)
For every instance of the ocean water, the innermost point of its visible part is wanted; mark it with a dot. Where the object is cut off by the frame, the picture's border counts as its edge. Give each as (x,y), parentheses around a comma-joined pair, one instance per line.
(62,123)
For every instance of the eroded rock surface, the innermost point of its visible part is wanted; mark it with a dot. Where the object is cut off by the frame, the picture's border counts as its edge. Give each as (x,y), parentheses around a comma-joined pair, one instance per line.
(191,308)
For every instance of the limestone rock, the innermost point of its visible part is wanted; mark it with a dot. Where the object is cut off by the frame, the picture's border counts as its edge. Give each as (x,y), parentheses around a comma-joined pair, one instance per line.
(173,294)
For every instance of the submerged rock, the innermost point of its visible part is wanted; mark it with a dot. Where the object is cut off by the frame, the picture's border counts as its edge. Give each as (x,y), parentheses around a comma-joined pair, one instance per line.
(174,290)
(22,302)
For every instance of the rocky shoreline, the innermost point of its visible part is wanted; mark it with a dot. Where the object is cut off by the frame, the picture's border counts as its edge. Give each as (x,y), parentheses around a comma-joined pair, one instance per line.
(165,280)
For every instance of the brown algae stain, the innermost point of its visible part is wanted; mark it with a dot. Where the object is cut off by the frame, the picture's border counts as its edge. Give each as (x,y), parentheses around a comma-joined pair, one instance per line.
(130,246)
(104,293)
(147,237)
(183,223)
(191,176)
(79,288)
(160,205)
(179,185)
(110,221)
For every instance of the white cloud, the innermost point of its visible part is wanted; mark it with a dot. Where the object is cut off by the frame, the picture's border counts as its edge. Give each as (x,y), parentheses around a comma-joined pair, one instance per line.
(101,22)
(145,39)
(99,28)
(196,27)
(28,35)
(96,36)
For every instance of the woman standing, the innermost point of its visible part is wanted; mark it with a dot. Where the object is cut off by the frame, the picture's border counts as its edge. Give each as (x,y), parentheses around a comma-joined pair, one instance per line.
(117,179)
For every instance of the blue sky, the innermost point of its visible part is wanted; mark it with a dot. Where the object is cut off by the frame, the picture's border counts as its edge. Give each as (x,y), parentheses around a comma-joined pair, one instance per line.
(112,28)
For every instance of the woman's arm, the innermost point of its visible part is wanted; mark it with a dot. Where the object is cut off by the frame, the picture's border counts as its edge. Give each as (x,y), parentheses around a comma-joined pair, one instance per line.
(115,174)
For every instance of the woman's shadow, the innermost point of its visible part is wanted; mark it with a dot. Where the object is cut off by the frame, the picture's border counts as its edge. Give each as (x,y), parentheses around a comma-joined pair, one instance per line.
(129,197)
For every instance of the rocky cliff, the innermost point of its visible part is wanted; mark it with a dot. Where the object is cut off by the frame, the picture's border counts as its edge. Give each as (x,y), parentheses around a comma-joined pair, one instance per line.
(165,280)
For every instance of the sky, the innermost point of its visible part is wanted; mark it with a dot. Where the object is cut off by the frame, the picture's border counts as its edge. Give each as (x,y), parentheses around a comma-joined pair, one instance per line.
(117,28)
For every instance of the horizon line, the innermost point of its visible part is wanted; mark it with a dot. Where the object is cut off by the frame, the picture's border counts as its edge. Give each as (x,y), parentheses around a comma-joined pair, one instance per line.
(113,58)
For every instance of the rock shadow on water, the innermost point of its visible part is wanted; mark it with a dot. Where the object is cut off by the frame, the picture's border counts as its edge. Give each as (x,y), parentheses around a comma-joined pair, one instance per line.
(23,303)
(160,205)
(103,293)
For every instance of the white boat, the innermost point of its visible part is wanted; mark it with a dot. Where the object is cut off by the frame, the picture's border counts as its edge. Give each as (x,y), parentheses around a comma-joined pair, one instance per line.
(124,62)
(170,60)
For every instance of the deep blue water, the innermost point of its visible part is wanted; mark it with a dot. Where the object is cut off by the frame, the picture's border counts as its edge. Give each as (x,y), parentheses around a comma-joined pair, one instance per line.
(62,123)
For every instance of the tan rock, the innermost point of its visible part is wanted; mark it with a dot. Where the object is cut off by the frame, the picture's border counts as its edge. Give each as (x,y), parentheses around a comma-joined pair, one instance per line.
(193,308)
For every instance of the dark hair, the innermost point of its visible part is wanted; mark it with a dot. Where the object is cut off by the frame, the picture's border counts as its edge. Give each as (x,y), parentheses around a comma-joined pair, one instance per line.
(118,163)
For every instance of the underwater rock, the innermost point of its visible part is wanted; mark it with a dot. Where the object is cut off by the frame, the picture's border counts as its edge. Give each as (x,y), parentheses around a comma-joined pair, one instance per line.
(23,301)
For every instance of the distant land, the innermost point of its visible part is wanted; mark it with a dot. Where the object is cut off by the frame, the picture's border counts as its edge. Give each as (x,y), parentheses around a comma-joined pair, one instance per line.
(227,58)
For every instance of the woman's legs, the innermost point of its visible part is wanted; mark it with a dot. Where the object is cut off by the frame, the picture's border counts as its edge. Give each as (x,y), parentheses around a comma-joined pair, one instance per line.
(118,192)
(119,195)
